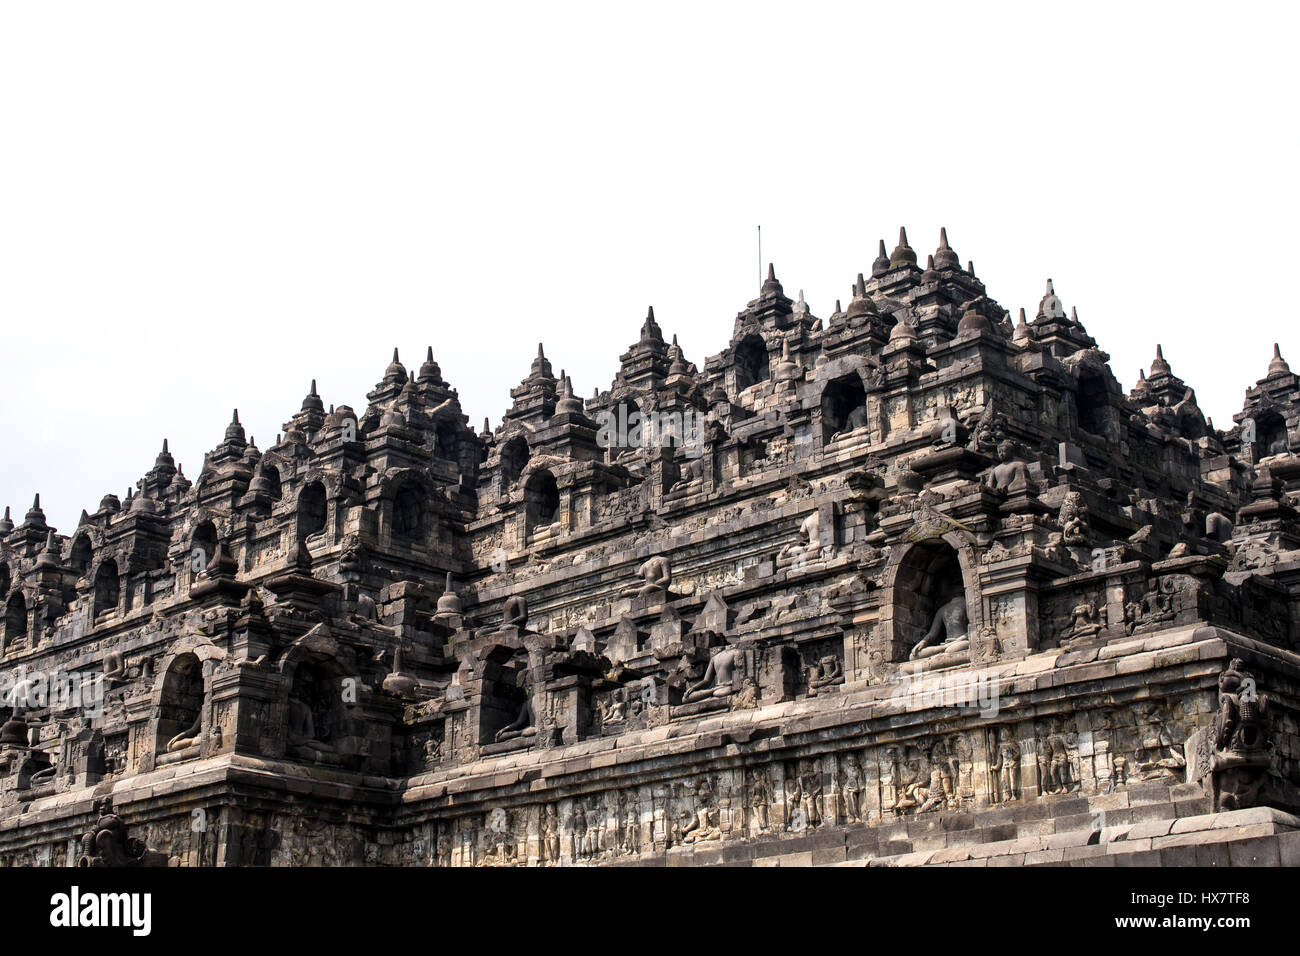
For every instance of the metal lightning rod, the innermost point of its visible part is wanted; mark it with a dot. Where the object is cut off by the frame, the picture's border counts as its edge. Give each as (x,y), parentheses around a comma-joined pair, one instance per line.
(760,255)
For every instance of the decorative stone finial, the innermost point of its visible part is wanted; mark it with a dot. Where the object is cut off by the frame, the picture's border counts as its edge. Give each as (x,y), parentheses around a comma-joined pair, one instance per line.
(903,254)
(35,516)
(1278,365)
(1050,307)
(569,404)
(1158,364)
(430,373)
(860,304)
(396,371)
(944,257)
(770,285)
(881,265)
(650,328)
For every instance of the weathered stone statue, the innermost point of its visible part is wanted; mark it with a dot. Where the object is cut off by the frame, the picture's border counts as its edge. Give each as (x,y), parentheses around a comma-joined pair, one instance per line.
(855,419)
(808,546)
(515,612)
(106,843)
(951,621)
(719,676)
(187,737)
(657,574)
(1009,472)
(523,725)
(826,672)
(1240,761)
(1073,518)
(302,735)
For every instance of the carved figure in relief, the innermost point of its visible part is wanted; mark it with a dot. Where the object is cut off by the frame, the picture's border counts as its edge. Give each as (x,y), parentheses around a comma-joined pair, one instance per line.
(579,822)
(107,843)
(1158,756)
(1073,518)
(1240,757)
(811,781)
(851,790)
(1005,767)
(761,797)
(704,824)
(550,836)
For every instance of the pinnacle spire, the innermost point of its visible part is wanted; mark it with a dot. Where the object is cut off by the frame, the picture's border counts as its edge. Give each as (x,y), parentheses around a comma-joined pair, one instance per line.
(1278,366)
(881,264)
(903,254)
(1158,365)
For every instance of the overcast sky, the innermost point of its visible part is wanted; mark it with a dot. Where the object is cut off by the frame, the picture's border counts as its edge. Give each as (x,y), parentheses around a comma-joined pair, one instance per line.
(205,206)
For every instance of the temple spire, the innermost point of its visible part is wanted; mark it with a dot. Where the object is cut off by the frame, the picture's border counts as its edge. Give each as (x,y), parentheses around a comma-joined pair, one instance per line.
(944,257)
(1158,364)
(903,254)
(1278,365)
(881,265)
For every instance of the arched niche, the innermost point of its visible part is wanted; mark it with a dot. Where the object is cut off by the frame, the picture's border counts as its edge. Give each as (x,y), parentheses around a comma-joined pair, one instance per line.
(5,579)
(318,727)
(269,476)
(541,499)
(107,591)
(15,622)
(1093,403)
(408,512)
(312,510)
(1270,435)
(203,545)
(751,360)
(180,705)
(844,405)
(514,456)
(921,578)
(81,554)
(446,443)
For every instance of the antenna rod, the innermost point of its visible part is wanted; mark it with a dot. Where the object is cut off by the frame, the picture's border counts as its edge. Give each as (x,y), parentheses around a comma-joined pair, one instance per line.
(760,255)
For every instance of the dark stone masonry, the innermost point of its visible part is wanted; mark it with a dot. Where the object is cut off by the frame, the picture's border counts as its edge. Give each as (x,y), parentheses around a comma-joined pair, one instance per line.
(915,583)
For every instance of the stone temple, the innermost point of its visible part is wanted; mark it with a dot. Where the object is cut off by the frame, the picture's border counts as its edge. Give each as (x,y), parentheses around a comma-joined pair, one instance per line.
(916,583)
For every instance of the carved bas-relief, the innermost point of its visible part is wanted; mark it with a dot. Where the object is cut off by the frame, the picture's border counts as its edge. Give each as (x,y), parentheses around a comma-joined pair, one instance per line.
(1235,754)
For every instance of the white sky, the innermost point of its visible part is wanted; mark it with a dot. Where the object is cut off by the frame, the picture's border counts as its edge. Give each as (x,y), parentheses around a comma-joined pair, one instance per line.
(206,206)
